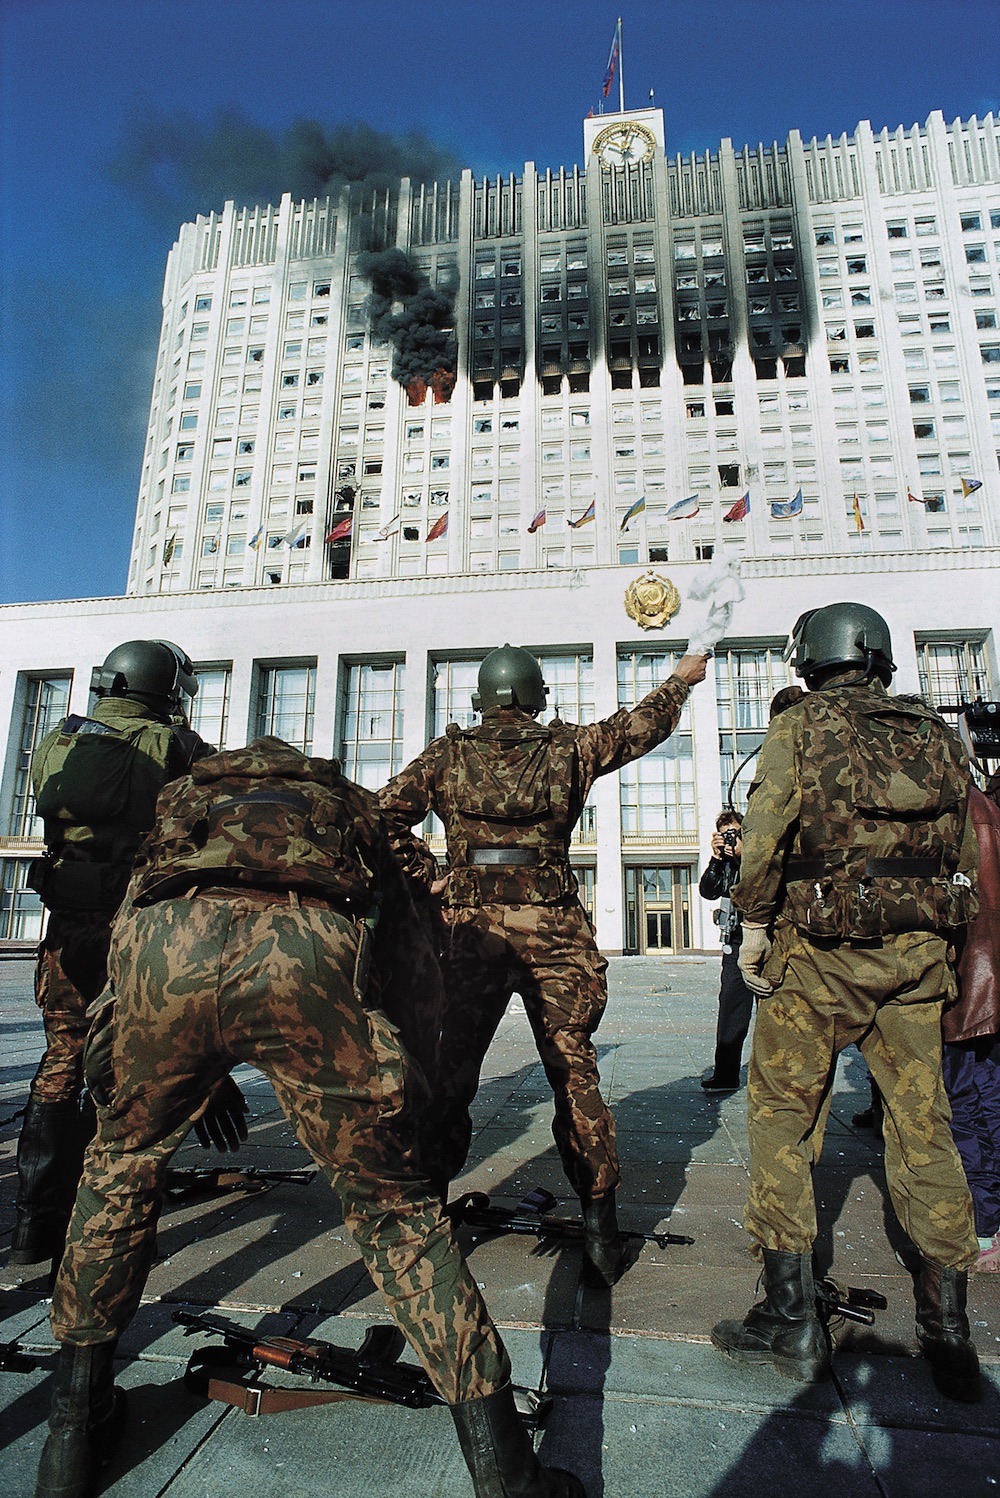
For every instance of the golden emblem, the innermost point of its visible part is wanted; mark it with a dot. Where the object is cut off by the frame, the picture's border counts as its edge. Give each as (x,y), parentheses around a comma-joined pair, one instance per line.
(651,600)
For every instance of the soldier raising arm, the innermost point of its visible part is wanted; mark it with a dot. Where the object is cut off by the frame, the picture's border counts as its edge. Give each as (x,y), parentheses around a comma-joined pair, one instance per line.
(510,792)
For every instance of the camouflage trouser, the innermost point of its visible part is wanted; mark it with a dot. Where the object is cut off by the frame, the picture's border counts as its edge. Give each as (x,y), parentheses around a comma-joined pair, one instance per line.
(223,978)
(887,1000)
(72,970)
(548,955)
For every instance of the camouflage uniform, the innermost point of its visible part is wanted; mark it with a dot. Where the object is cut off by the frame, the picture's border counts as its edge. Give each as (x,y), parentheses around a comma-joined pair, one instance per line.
(89,859)
(511,785)
(856,831)
(239,942)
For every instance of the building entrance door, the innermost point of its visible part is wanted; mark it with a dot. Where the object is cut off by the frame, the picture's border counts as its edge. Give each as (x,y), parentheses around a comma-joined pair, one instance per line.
(658,909)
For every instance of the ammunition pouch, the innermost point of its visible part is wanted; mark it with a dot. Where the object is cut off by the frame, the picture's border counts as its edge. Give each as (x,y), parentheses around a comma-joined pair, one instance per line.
(878,904)
(79,885)
(509,883)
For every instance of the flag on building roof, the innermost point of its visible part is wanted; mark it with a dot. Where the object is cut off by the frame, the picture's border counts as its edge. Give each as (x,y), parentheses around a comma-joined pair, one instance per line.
(386,531)
(439,528)
(634,509)
(609,74)
(684,509)
(740,510)
(254,541)
(969,486)
(539,520)
(341,531)
(781,509)
(859,519)
(585,518)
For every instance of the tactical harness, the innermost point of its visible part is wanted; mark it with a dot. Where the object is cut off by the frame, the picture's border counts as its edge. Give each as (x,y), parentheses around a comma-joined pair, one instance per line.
(506,803)
(884,793)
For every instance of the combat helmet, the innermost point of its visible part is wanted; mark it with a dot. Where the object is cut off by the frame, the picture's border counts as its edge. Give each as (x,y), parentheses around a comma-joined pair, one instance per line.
(510,677)
(840,637)
(155,672)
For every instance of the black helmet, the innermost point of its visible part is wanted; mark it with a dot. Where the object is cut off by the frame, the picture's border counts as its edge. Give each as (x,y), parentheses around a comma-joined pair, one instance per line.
(510,677)
(843,635)
(151,671)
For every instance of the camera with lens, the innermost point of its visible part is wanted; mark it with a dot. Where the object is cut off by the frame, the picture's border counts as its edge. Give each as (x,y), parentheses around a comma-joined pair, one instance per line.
(729,840)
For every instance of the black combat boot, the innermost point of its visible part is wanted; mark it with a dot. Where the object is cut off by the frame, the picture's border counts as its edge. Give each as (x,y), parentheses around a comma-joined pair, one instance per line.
(605,1258)
(49,1154)
(943,1331)
(499,1454)
(85,1422)
(784,1329)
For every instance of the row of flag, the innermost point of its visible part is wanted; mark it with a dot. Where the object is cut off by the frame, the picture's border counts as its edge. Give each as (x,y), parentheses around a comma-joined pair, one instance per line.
(682,509)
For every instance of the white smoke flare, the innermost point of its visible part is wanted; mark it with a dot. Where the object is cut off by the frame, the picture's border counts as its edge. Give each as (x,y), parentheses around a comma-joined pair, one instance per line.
(719,586)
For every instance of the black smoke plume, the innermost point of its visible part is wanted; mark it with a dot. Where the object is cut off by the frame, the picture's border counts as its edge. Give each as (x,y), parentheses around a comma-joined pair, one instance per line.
(175,167)
(422,334)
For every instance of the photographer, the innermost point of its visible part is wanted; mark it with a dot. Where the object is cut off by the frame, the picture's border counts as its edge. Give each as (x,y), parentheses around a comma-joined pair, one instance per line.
(735,999)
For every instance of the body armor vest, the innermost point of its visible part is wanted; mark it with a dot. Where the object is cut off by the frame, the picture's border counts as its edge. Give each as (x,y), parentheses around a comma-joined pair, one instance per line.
(97,785)
(264,817)
(509,785)
(884,796)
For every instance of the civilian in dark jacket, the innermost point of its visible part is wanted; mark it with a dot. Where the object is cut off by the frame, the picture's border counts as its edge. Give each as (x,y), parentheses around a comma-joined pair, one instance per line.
(735,999)
(971,1031)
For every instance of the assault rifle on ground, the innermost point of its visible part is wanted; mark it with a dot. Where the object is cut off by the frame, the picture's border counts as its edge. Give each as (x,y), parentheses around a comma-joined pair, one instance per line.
(13,1359)
(223,1180)
(532,1218)
(373,1372)
(847,1302)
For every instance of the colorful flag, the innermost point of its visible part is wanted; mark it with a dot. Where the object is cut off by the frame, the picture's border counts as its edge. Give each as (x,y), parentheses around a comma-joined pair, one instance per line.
(969,486)
(386,531)
(439,528)
(684,509)
(740,509)
(341,531)
(212,546)
(254,541)
(585,518)
(168,549)
(293,537)
(915,499)
(538,521)
(782,508)
(609,75)
(859,519)
(634,509)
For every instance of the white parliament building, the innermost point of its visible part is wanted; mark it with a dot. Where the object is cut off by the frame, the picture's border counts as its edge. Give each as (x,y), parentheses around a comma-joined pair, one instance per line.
(785,356)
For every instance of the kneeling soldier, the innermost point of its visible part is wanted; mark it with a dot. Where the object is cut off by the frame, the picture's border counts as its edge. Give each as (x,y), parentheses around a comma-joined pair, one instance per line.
(245,937)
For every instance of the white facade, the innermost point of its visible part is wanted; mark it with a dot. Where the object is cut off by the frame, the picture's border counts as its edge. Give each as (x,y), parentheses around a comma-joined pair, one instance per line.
(817,318)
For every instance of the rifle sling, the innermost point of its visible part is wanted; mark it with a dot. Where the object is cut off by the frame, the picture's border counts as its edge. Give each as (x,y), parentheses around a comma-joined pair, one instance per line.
(218,1373)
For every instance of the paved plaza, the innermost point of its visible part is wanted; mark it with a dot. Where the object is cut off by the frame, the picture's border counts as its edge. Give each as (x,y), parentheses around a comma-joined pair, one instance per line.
(644,1407)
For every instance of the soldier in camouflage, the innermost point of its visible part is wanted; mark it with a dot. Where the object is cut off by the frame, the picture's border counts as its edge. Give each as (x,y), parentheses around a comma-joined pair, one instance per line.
(268,923)
(859,863)
(510,791)
(96,780)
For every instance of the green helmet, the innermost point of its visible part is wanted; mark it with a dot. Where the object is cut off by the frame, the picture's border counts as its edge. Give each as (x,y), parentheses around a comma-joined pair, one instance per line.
(843,635)
(154,672)
(510,677)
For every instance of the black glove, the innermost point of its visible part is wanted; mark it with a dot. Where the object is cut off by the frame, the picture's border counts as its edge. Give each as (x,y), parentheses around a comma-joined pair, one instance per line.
(223,1125)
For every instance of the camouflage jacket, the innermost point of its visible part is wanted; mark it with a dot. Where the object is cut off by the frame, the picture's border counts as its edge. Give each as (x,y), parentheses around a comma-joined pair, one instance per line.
(511,782)
(96,780)
(849,783)
(268,817)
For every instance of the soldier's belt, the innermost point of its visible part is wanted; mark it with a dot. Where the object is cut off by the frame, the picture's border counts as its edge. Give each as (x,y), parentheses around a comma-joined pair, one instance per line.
(875,868)
(503,857)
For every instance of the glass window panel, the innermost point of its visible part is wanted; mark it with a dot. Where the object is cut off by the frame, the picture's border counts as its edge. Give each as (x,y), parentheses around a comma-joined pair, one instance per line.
(286,702)
(43,701)
(371,728)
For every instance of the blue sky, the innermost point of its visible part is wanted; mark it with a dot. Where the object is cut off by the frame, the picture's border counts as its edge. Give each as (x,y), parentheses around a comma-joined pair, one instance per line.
(82,247)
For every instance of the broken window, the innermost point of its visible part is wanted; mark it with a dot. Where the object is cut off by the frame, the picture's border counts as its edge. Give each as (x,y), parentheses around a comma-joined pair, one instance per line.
(729,475)
(861,297)
(238,298)
(975,254)
(923,429)
(840,365)
(832,298)
(919,395)
(315,377)
(242,477)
